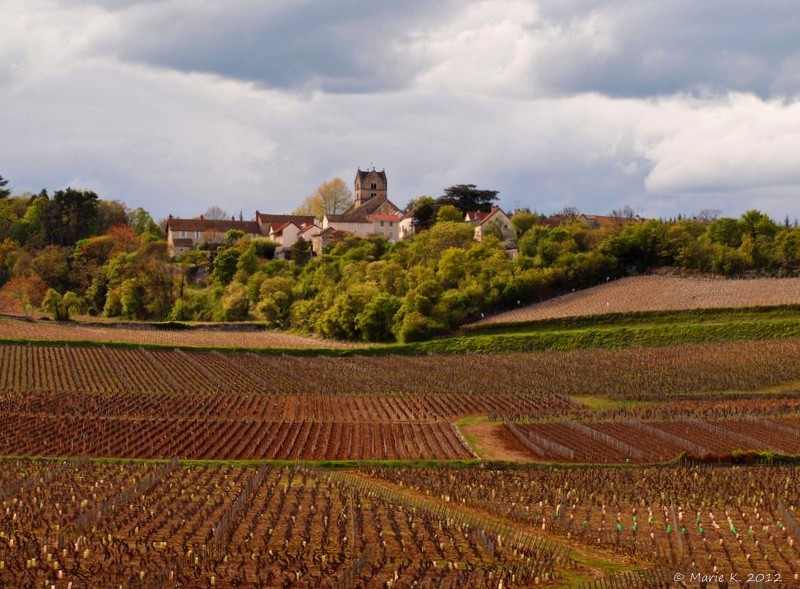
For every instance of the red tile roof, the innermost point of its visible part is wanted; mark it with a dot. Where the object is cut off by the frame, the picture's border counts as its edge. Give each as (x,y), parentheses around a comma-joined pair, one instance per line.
(212,225)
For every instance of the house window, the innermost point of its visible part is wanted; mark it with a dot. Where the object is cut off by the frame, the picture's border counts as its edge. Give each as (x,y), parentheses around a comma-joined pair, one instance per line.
(183,233)
(197,235)
(374,186)
(391,223)
(373,194)
(381,223)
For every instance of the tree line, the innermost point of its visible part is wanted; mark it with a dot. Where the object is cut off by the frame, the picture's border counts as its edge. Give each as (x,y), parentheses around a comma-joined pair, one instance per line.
(75,253)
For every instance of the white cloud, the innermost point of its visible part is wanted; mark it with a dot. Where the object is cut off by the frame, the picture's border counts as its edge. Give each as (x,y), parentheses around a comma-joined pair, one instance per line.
(481,96)
(730,143)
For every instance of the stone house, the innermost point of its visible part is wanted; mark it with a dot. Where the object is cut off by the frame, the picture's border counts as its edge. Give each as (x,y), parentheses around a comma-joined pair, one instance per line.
(184,235)
(484,221)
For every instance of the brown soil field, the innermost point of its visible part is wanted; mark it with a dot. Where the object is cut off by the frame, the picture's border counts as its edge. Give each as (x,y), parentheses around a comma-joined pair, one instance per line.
(76,331)
(659,293)
(636,441)
(497,443)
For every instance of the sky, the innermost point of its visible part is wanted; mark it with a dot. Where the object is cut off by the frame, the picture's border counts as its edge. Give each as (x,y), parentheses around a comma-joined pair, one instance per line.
(667,106)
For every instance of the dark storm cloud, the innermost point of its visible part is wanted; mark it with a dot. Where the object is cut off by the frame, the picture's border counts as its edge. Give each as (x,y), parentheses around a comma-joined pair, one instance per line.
(345,46)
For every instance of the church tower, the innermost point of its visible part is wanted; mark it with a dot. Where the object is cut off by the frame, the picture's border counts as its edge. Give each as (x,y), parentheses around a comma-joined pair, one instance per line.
(369,184)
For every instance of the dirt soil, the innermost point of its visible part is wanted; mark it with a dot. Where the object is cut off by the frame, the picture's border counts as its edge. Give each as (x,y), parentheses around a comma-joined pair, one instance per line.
(497,443)
(659,293)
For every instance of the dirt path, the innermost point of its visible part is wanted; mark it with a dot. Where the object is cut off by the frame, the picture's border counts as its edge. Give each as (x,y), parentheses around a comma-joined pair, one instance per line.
(493,441)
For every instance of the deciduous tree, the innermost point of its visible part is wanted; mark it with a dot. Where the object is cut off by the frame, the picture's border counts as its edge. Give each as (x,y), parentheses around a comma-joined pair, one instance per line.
(332,197)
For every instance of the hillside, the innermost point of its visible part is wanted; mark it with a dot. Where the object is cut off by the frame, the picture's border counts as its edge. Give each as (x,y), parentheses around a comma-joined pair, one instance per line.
(658,293)
(44,331)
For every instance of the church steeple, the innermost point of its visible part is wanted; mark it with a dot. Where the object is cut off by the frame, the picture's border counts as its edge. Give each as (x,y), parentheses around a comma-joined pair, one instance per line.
(369,184)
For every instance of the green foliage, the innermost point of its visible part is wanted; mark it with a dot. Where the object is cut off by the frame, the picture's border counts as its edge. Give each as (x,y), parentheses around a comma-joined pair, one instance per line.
(416,327)
(467,197)
(142,223)
(60,306)
(449,214)
(193,306)
(224,266)
(425,209)
(96,292)
(375,321)
(265,248)
(232,236)
(276,298)
(4,192)
(524,221)
(139,283)
(235,305)
(427,247)
(247,264)
(52,266)
(72,215)
(301,252)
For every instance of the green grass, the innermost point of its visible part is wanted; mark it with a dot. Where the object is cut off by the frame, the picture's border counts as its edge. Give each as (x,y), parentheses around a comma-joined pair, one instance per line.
(473,440)
(597,403)
(648,335)
(639,318)
(600,331)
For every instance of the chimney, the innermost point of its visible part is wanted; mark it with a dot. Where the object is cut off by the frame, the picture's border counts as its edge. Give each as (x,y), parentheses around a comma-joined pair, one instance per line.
(201,217)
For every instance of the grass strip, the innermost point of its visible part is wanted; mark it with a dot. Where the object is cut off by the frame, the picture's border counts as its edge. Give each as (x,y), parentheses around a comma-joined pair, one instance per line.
(604,336)
(717,314)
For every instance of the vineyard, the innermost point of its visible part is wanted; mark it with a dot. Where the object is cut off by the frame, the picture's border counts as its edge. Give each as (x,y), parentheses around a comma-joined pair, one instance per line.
(659,293)
(43,331)
(136,403)
(103,525)
(79,523)
(632,440)
(73,521)
(694,519)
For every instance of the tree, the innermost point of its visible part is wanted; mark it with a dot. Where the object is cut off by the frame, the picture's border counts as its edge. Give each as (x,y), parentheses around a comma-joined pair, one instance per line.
(28,291)
(4,193)
(141,222)
(424,209)
(232,236)
(449,214)
(569,212)
(301,252)
(52,265)
(708,215)
(376,320)
(276,299)
(235,305)
(72,215)
(265,248)
(140,284)
(330,198)
(215,213)
(60,306)
(467,197)
(224,266)
(626,212)
(111,213)
(523,221)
